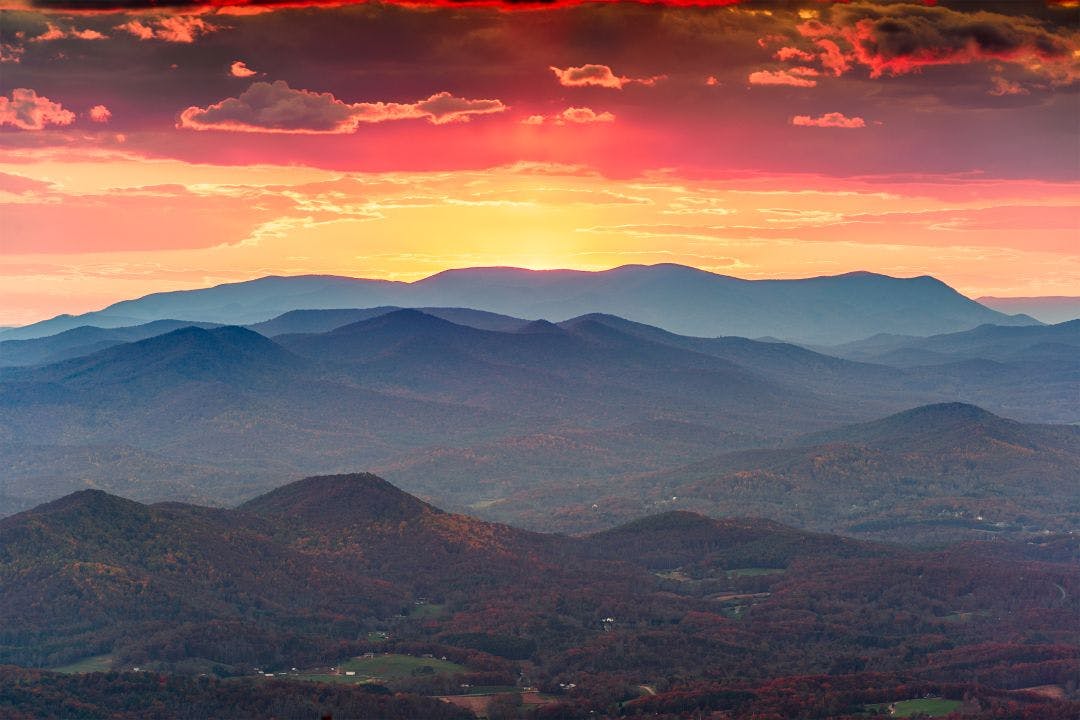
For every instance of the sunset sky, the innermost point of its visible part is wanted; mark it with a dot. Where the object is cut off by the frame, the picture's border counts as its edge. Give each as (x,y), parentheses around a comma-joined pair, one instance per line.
(157,148)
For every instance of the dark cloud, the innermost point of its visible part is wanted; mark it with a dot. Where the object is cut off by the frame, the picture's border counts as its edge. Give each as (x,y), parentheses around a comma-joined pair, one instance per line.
(277,108)
(896,39)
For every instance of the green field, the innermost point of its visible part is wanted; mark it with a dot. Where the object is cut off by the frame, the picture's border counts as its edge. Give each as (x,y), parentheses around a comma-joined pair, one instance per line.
(934,707)
(95,663)
(754,571)
(386,667)
(427,610)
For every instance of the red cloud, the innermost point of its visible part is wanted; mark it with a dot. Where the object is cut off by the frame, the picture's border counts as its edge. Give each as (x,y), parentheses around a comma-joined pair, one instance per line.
(254,7)
(171,28)
(27,110)
(779,77)
(901,39)
(241,70)
(277,108)
(598,76)
(829,120)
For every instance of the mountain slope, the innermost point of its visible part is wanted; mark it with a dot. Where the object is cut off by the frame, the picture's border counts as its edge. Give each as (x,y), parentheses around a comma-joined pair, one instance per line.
(81,341)
(943,471)
(823,310)
(986,342)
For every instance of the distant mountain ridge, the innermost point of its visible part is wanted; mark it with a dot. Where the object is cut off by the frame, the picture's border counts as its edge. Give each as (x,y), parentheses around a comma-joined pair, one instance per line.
(1048,309)
(677,298)
(1059,341)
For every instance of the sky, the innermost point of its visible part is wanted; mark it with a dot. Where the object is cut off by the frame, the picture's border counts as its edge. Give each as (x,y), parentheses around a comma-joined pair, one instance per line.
(148,146)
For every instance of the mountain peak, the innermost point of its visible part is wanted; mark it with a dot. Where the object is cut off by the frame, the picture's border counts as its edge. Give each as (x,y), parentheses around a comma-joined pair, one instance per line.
(339,500)
(403,319)
(541,327)
(90,507)
(947,412)
(921,425)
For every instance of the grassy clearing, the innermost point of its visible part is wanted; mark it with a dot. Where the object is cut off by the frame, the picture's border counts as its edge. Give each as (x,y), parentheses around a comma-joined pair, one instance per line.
(963,617)
(94,663)
(390,667)
(383,668)
(427,610)
(754,571)
(933,707)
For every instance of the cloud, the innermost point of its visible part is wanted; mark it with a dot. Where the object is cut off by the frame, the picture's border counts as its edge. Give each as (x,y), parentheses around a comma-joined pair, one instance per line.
(573,116)
(241,70)
(100,114)
(794,53)
(903,38)
(172,28)
(1006,87)
(277,108)
(829,120)
(258,7)
(598,76)
(54,32)
(445,108)
(11,53)
(779,77)
(27,110)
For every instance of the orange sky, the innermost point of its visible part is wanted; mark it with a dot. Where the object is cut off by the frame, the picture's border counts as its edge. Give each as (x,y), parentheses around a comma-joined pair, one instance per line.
(151,151)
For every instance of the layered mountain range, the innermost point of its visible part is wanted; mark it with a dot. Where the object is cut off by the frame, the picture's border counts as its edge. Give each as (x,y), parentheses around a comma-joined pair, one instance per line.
(479,411)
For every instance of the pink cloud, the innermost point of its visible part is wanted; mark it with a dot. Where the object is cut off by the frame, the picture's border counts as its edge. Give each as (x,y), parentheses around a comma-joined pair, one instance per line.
(100,114)
(829,120)
(173,28)
(27,110)
(779,77)
(277,108)
(241,70)
(599,76)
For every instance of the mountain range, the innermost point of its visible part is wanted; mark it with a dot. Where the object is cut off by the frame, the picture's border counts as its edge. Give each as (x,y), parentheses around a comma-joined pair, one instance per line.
(680,299)
(469,415)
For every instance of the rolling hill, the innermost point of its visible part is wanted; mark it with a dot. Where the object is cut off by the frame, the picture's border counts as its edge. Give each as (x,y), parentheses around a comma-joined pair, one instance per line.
(329,568)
